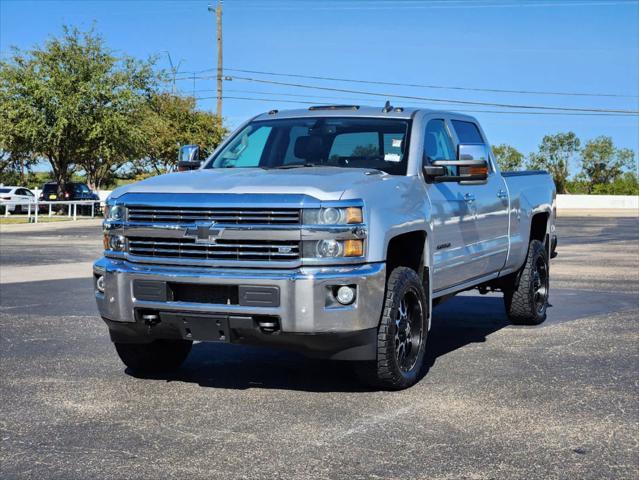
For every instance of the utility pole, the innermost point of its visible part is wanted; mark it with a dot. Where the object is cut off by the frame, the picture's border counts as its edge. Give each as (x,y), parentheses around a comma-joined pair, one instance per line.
(220,71)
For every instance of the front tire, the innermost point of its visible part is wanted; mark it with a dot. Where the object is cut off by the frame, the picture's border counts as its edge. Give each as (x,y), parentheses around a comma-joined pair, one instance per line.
(526,299)
(402,332)
(154,357)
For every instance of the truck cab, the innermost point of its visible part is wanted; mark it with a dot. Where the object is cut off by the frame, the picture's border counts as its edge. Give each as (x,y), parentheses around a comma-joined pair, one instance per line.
(332,231)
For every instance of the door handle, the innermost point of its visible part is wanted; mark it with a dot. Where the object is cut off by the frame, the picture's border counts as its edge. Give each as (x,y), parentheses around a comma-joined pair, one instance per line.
(502,194)
(469,197)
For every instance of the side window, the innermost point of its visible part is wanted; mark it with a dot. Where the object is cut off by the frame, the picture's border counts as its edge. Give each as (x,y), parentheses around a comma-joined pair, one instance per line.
(467,132)
(246,150)
(438,144)
(21,191)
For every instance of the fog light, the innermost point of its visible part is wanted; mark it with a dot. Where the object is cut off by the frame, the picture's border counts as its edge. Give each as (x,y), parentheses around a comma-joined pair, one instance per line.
(99,283)
(345,295)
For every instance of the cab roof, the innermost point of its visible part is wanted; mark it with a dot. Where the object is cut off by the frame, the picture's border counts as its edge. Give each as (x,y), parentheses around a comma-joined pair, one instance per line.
(387,111)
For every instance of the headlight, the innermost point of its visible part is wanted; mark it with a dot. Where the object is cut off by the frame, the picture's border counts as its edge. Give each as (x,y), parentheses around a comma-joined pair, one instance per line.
(333,248)
(332,216)
(114,212)
(117,243)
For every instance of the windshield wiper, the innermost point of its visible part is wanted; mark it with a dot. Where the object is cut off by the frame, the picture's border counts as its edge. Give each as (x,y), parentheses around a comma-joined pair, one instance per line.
(298,165)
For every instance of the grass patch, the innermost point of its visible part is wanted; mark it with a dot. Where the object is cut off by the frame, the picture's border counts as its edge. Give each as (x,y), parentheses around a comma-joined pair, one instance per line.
(18,219)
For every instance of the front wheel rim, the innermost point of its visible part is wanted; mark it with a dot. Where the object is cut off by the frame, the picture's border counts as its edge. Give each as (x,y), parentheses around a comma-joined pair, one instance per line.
(408,331)
(540,285)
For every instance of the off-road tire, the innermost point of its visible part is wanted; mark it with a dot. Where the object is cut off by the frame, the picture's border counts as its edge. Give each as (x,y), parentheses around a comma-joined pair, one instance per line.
(522,299)
(386,371)
(154,357)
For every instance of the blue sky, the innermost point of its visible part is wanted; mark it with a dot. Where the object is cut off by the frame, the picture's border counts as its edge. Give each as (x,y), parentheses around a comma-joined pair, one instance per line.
(570,46)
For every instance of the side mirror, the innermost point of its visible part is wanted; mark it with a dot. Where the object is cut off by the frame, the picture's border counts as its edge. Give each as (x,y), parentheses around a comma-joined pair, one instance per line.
(189,158)
(185,166)
(472,163)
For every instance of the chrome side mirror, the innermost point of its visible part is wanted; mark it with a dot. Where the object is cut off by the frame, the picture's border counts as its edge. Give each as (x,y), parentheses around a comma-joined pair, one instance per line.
(189,158)
(472,165)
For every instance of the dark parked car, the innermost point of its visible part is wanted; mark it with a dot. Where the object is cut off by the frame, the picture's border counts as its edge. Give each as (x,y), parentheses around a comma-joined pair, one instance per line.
(72,191)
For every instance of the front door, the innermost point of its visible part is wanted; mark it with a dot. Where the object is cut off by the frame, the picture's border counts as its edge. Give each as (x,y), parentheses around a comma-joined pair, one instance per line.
(450,212)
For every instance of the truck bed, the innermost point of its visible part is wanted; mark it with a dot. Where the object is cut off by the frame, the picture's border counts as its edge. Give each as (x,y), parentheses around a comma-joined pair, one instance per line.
(524,173)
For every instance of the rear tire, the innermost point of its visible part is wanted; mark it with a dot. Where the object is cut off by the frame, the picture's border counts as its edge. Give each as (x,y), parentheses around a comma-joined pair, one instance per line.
(154,357)
(526,299)
(402,333)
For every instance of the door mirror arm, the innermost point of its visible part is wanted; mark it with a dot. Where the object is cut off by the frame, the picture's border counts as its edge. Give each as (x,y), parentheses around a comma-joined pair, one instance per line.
(475,171)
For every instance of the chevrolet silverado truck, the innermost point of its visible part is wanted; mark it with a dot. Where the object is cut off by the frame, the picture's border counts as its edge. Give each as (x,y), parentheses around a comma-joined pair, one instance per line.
(333,231)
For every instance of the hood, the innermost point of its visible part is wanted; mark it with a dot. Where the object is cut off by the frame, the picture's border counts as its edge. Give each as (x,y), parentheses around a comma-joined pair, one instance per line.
(323,183)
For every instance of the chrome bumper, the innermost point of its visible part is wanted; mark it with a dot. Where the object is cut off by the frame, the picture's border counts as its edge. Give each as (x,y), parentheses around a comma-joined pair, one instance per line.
(303,307)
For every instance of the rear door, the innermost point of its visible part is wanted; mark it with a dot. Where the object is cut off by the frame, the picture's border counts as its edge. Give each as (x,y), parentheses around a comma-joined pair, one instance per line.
(486,237)
(449,211)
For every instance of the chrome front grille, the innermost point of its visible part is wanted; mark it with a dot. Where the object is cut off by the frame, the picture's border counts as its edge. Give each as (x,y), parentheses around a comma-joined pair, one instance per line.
(228,216)
(242,250)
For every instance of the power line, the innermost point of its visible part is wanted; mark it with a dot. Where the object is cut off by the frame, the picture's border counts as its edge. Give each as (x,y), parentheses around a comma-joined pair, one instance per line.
(436,100)
(506,112)
(419,85)
(411,85)
(356,99)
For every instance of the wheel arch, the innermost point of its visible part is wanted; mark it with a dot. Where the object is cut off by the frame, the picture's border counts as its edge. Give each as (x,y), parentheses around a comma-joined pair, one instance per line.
(539,227)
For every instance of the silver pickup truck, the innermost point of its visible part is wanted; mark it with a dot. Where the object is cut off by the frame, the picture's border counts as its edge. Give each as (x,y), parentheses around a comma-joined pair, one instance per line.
(333,231)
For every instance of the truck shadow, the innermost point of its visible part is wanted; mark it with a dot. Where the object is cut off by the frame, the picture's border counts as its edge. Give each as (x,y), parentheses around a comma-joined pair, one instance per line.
(459,322)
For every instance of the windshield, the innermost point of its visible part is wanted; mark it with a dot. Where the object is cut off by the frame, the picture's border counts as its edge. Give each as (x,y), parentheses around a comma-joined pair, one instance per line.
(80,188)
(5,190)
(337,142)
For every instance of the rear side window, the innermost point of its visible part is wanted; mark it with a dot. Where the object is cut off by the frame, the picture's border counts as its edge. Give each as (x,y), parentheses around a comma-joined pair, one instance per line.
(467,132)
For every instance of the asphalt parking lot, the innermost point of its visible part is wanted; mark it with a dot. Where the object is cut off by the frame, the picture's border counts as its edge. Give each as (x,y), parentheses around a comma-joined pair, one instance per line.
(556,401)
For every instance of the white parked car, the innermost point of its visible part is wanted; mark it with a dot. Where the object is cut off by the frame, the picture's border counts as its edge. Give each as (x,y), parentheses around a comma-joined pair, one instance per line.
(20,195)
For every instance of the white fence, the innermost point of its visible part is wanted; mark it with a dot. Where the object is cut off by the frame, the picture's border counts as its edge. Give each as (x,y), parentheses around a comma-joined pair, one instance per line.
(33,208)
(597,202)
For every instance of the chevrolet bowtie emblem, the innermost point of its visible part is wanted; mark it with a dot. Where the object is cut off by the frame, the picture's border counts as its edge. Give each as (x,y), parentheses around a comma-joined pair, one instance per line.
(204,232)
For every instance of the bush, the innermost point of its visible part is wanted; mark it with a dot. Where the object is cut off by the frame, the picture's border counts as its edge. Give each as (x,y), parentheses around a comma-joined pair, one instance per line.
(627,184)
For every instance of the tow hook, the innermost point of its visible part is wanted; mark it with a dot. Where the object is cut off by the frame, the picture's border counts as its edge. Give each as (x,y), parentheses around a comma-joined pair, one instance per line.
(150,320)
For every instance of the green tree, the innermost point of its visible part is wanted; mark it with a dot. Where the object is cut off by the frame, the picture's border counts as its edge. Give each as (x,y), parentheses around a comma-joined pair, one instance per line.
(15,160)
(602,163)
(554,155)
(508,158)
(75,104)
(625,184)
(171,121)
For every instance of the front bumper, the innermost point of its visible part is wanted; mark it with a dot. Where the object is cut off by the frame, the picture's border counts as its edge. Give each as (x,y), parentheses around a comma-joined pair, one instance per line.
(303,304)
